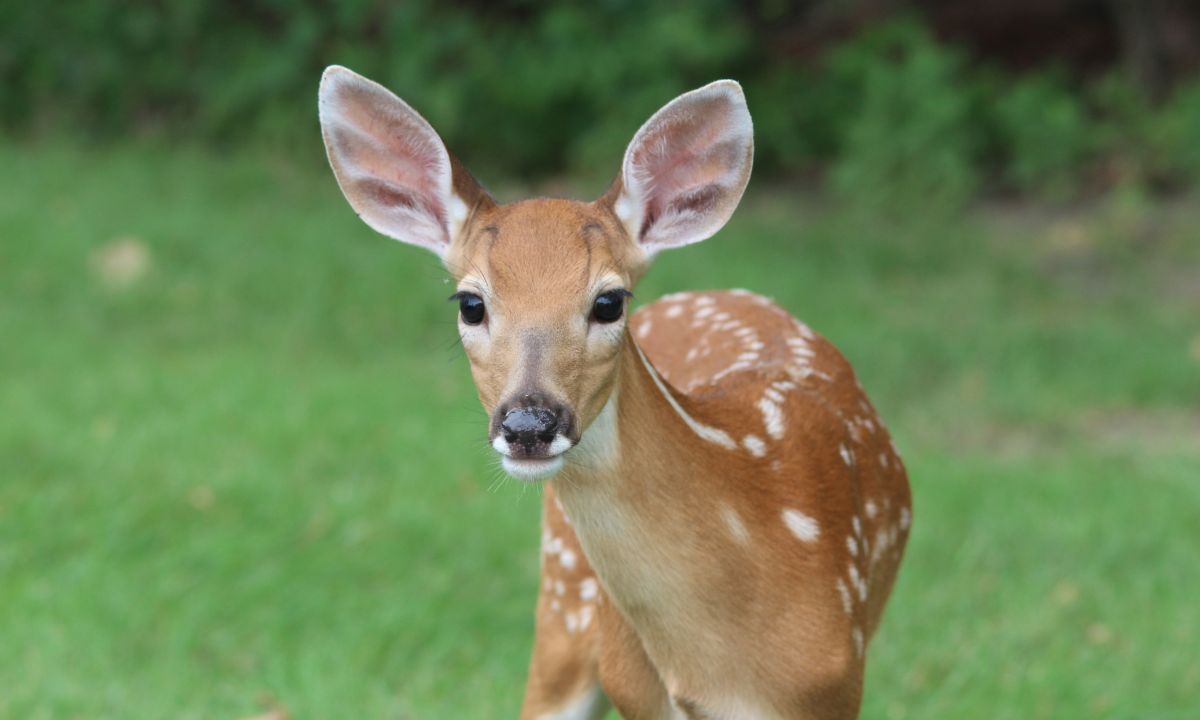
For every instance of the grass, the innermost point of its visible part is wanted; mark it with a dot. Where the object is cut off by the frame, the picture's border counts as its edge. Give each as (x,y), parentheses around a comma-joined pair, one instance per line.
(235,475)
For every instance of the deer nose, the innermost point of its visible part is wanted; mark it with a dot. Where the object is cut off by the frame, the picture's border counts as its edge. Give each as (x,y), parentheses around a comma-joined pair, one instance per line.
(528,426)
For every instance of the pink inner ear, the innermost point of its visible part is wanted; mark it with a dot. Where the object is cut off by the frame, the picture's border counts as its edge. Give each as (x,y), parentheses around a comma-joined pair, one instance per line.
(394,151)
(390,163)
(682,165)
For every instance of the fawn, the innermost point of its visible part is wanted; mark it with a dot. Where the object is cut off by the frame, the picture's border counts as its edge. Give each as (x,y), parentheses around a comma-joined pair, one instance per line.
(724,512)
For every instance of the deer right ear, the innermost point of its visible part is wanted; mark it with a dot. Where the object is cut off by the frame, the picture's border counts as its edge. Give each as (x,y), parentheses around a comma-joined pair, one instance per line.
(686,168)
(391,165)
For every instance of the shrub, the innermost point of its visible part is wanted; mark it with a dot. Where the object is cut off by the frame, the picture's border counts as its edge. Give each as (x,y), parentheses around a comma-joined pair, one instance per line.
(907,137)
(1044,133)
(535,88)
(1174,136)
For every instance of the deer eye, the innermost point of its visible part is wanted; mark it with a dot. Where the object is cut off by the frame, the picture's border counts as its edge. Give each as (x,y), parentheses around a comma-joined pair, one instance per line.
(609,306)
(470,307)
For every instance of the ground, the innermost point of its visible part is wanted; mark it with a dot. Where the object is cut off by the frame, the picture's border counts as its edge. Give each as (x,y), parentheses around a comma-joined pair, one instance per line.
(242,467)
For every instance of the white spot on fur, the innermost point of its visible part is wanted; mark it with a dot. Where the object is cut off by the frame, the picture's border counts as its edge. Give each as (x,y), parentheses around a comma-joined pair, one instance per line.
(644,331)
(857,634)
(739,365)
(734,522)
(857,581)
(674,311)
(755,445)
(905,518)
(567,558)
(856,523)
(800,348)
(703,312)
(844,592)
(883,460)
(705,300)
(851,545)
(847,455)
(772,418)
(572,623)
(883,540)
(588,589)
(802,526)
(585,617)
(871,508)
(560,588)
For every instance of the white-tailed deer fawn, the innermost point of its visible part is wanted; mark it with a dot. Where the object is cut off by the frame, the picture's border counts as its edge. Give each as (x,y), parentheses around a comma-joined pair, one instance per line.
(724,512)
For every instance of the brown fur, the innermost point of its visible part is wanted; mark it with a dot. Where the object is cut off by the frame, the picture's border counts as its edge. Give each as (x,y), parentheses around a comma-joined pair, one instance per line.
(769,614)
(692,604)
(730,514)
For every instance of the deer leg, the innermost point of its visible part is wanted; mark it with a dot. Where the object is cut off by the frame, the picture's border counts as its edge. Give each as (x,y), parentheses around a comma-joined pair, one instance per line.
(563,680)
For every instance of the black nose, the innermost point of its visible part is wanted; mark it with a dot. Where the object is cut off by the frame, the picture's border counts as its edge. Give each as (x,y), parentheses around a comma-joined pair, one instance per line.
(529,426)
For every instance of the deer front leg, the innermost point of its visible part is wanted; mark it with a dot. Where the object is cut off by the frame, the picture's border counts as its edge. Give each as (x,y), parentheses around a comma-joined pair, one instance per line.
(563,679)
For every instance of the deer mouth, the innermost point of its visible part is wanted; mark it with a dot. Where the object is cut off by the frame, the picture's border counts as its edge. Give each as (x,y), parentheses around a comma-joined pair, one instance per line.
(532,469)
(532,465)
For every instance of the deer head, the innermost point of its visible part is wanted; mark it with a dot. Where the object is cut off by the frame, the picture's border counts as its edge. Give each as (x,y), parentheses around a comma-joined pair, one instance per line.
(542,285)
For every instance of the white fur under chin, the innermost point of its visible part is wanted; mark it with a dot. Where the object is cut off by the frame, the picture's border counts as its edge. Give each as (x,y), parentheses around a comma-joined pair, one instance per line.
(532,470)
(597,448)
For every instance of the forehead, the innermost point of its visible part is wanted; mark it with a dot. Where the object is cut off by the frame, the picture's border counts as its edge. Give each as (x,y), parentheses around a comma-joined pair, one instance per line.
(553,245)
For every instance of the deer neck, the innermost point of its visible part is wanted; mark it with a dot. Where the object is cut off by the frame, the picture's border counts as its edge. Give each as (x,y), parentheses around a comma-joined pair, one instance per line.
(638,490)
(644,446)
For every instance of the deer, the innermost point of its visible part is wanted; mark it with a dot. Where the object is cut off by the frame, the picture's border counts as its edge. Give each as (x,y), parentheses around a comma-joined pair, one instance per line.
(724,513)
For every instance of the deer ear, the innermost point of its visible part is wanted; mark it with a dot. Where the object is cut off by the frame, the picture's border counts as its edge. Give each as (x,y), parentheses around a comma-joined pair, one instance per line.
(686,168)
(391,165)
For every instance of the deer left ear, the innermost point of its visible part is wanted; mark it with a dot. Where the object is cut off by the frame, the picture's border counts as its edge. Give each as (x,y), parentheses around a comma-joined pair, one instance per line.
(686,168)
(391,165)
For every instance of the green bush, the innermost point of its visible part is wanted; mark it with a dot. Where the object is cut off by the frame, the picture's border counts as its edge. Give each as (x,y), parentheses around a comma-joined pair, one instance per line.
(1045,134)
(908,136)
(1174,136)
(533,88)
(1121,124)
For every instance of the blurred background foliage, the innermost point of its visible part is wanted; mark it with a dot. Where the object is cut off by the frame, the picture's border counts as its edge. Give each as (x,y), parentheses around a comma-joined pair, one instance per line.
(897,100)
(243,470)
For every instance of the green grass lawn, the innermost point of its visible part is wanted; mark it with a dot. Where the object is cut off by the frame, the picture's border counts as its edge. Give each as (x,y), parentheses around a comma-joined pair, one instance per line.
(242,465)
